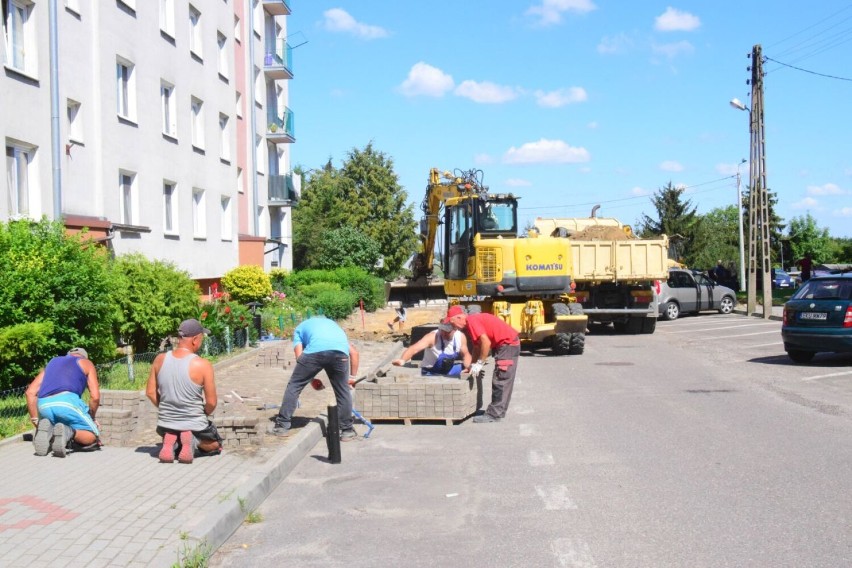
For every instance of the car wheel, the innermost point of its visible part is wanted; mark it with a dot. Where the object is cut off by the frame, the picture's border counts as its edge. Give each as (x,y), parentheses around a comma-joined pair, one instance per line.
(799,356)
(726,306)
(670,311)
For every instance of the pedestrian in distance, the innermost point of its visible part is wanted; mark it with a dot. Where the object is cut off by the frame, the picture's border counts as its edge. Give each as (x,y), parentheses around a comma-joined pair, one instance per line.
(320,345)
(491,335)
(62,420)
(399,317)
(442,349)
(182,387)
(805,265)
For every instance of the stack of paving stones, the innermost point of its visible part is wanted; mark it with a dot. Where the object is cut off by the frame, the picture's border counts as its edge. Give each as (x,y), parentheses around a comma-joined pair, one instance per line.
(118,416)
(238,431)
(407,396)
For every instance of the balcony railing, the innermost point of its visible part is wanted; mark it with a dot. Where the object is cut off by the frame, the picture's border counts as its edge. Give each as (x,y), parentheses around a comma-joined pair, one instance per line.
(277,7)
(278,61)
(279,127)
(281,190)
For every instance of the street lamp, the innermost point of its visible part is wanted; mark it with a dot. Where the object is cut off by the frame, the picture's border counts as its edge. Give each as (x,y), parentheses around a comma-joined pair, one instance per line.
(740,223)
(738,104)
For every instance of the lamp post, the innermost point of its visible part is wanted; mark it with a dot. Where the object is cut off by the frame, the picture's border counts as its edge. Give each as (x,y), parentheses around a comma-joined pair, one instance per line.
(741,272)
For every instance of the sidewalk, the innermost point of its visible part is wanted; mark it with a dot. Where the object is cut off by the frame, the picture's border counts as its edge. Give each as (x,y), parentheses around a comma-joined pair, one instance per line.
(121,507)
(777,311)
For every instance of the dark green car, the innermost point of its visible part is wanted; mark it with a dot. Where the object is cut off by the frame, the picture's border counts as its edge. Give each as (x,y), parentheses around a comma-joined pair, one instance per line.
(818,318)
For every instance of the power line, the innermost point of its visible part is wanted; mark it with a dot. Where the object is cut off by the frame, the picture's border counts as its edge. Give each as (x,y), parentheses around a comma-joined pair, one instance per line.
(807,70)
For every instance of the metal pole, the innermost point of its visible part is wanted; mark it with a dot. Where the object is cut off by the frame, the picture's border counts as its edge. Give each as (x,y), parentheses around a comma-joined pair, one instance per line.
(333,435)
(742,272)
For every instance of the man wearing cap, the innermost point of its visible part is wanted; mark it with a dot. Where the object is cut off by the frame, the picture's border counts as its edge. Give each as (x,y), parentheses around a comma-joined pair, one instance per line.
(182,387)
(320,345)
(57,409)
(491,334)
(441,349)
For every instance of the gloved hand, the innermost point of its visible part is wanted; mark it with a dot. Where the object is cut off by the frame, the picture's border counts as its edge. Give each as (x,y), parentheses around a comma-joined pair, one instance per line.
(475,369)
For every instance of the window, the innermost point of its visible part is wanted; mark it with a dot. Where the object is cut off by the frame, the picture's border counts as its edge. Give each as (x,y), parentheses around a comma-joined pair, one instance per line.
(128,200)
(18,161)
(222,42)
(125,84)
(199,215)
(170,211)
(227,224)
(224,138)
(238,34)
(167,101)
(167,17)
(75,122)
(20,36)
(198,123)
(195,31)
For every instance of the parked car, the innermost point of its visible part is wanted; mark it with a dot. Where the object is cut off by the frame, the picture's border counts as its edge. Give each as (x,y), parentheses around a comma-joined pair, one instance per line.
(781,279)
(688,291)
(818,318)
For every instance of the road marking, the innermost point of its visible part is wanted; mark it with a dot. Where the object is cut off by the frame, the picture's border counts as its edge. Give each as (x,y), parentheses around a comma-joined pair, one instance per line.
(840,374)
(739,335)
(572,553)
(527,430)
(523,409)
(555,498)
(693,330)
(536,458)
(765,344)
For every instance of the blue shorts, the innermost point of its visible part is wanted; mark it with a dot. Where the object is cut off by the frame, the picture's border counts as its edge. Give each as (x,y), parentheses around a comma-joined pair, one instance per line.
(69,409)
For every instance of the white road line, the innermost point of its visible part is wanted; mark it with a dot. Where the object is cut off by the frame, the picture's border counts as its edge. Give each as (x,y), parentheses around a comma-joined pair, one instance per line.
(540,457)
(693,330)
(775,331)
(555,497)
(764,345)
(528,430)
(572,553)
(840,374)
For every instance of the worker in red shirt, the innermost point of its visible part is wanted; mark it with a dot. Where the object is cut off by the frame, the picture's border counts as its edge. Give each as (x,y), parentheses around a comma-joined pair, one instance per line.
(490,335)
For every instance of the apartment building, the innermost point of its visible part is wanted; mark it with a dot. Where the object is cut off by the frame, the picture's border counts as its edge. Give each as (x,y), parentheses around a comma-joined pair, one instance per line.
(161,126)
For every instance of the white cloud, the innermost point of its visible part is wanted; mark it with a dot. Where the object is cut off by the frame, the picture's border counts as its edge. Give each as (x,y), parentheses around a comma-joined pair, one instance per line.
(561,97)
(638,191)
(549,12)
(423,79)
(338,20)
(671,166)
(592,125)
(610,45)
(806,203)
(731,169)
(480,159)
(843,212)
(517,182)
(546,152)
(485,92)
(827,189)
(676,21)
(672,50)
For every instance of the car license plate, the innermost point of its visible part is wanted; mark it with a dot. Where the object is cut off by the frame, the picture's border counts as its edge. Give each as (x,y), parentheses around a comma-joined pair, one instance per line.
(813,316)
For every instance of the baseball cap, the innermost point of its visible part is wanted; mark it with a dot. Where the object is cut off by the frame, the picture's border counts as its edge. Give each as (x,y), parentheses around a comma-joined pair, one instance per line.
(79,351)
(191,328)
(453,311)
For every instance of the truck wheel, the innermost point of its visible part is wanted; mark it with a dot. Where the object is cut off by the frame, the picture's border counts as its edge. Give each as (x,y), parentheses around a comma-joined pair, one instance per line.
(562,344)
(634,325)
(578,344)
(575,308)
(800,356)
(670,311)
(560,309)
(619,326)
(726,306)
(649,325)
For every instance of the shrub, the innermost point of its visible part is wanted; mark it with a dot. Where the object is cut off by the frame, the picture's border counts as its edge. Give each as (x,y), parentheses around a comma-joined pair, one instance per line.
(18,343)
(334,304)
(347,246)
(358,281)
(154,297)
(248,283)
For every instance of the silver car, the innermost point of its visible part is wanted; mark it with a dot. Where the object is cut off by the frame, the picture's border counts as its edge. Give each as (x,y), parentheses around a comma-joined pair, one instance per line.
(688,291)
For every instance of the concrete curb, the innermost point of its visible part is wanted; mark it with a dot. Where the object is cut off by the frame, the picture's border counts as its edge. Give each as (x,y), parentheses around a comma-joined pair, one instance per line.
(743,312)
(219,525)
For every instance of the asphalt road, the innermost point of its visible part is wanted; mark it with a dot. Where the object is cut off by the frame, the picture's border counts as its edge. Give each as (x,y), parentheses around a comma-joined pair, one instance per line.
(701,445)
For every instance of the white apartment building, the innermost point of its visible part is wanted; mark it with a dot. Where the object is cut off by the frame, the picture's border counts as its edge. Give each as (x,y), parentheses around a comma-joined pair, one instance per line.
(166,132)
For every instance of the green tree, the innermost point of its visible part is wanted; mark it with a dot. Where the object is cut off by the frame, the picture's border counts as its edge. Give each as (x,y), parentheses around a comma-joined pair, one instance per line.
(776,225)
(717,238)
(347,246)
(247,283)
(364,193)
(806,237)
(841,250)
(63,283)
(676,218)
(153,297)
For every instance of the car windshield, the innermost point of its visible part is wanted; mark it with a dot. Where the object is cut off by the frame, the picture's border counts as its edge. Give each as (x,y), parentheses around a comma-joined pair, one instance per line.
(779,272)
(828,289)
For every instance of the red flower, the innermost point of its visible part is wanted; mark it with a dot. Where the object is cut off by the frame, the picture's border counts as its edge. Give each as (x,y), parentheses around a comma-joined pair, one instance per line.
(203,316)
(227,309)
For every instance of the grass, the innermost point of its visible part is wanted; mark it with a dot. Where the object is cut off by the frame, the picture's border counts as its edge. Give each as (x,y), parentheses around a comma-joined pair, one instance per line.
(779,296)
(14,418)
(197,556)
(252,517)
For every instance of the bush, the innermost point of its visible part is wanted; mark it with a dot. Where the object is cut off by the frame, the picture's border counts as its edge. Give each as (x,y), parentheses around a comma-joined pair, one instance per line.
(221,317)
(347,246)
(17,345)
(334,304)
(48,277)
(361,284)
(248,283)
(154,297)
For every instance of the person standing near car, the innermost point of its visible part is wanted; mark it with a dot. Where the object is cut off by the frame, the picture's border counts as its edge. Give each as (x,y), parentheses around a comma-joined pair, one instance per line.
(805,265)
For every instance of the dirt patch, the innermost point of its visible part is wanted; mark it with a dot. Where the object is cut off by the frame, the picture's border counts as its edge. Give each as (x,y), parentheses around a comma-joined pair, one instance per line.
(366,326)
(601,233)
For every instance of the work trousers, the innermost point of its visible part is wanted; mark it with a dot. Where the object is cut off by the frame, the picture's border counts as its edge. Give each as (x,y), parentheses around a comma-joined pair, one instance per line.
(505,367)
(336,366)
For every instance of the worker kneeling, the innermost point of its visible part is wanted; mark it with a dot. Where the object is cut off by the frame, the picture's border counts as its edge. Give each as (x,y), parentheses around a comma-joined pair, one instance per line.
(442,350)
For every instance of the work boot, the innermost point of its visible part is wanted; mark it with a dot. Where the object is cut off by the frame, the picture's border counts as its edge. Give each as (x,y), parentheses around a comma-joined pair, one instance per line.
(348,435)
(61,435)
(485,417)
(43,437)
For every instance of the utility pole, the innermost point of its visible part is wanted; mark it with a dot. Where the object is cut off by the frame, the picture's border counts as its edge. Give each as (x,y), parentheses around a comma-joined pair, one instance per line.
(758,245)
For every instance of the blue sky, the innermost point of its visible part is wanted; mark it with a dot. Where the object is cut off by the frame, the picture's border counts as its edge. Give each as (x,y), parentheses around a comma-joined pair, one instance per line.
(572,103)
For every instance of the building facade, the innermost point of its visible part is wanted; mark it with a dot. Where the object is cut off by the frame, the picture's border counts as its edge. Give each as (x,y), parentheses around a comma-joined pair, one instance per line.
(161,126)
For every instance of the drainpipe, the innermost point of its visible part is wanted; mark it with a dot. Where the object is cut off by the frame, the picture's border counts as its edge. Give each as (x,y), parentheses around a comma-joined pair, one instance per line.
(253,130)
(55,134)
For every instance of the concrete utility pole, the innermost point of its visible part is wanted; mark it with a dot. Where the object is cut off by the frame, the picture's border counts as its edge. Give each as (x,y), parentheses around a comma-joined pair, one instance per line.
(758,245)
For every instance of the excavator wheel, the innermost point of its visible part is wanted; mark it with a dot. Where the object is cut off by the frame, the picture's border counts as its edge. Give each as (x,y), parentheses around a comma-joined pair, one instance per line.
(578,344)
(562,344)
(560,309)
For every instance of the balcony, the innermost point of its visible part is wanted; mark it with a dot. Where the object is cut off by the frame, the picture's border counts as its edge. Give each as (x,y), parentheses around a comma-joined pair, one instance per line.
(277,7)
(278,61)
(281,191)
(279,127)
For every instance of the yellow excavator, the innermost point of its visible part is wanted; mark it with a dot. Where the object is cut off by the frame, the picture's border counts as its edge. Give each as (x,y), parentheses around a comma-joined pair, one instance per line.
(526,281)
